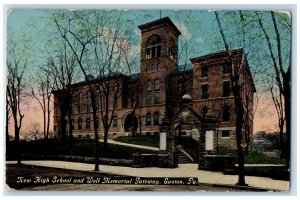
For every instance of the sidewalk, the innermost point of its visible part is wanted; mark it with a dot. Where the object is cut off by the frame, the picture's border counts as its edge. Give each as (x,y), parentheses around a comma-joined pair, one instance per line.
(110,141)
(183,170)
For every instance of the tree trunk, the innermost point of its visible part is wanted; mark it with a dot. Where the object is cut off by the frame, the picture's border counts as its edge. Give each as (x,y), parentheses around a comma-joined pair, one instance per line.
(287,109)
(239,126)
(48,119)
(105,138)
(70,129)
(17,141)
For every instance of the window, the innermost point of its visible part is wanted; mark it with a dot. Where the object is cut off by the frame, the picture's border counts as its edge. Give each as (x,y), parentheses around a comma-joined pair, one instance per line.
(88,102)
(226,114)
(153,46)
(79,124)
(225,68)
(204,111)
(204,72)
(115,96)
(148,99)
(148,85)
(156,97)
(72,104)
(115,121)
(148,119)
(172,48)
(225,133)
(97,122)
(171,53)
(156,84)
(148,68)
(72,126)
(157,67)
(156,118)
(79,103)
(97,100)
(87,124)
(226,88)
(204,89)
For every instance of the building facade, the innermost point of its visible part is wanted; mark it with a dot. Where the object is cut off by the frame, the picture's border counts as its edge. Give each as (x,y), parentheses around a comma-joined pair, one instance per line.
(140,101)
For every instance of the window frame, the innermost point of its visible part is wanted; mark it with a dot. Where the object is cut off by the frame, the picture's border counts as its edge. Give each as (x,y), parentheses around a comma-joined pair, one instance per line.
(226,114)
(148,119)
(156,118)
(223,134)
(79,124)
(204,95)
(226,93)
(87,124)
(204,72)
(115,121)
(156,97)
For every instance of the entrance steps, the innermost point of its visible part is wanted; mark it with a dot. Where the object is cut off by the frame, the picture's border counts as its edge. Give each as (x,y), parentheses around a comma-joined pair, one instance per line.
(184,157)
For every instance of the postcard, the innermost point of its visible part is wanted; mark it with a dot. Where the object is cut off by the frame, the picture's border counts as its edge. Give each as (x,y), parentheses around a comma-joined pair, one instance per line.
(148,100)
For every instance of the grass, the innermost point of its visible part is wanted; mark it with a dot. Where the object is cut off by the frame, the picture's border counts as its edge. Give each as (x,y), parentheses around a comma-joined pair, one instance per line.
(147,140)
(191,146)
(86,147)
(80,147)
(252,157)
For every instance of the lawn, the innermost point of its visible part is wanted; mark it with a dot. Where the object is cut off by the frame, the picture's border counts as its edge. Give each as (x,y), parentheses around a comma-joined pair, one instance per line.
(191,146)
(145,140)
(252,157)
(80,147)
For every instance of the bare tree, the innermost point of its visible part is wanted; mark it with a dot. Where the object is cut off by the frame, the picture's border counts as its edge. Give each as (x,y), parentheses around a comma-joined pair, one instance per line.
(16,66)
(8,115)
(41,92)
(97,50)
(277,99)
(61,66)
(275,37)
(239,108)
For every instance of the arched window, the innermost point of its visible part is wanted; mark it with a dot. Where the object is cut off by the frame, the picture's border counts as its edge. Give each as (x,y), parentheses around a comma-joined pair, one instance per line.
(172,48)
(115,121)
(148,85)
(97,100)
(226,114)
(87,124)
(153,46)
(156,84)
(88,102)
(148,119)
(225,68)
(156,118)
(79,103)
(79,124)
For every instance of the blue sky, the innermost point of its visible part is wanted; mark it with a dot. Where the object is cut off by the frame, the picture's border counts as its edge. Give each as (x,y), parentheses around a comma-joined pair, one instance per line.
(31,26)
(199,26)
(34,25)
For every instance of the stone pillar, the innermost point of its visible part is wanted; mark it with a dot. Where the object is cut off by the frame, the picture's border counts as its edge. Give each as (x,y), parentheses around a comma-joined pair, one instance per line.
(167,156)
(207,127)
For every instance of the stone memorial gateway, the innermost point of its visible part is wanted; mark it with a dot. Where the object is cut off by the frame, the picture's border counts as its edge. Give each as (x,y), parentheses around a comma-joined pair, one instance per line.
(208,159)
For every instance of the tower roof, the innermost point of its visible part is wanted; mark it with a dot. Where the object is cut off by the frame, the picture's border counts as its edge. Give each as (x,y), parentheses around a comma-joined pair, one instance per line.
(165,20)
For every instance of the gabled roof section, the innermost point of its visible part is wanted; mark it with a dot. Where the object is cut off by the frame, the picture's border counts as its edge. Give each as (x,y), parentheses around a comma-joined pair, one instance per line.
(165,20)
(216,54)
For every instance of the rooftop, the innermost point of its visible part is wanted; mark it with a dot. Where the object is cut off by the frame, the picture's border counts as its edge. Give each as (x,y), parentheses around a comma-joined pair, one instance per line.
(166,20)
